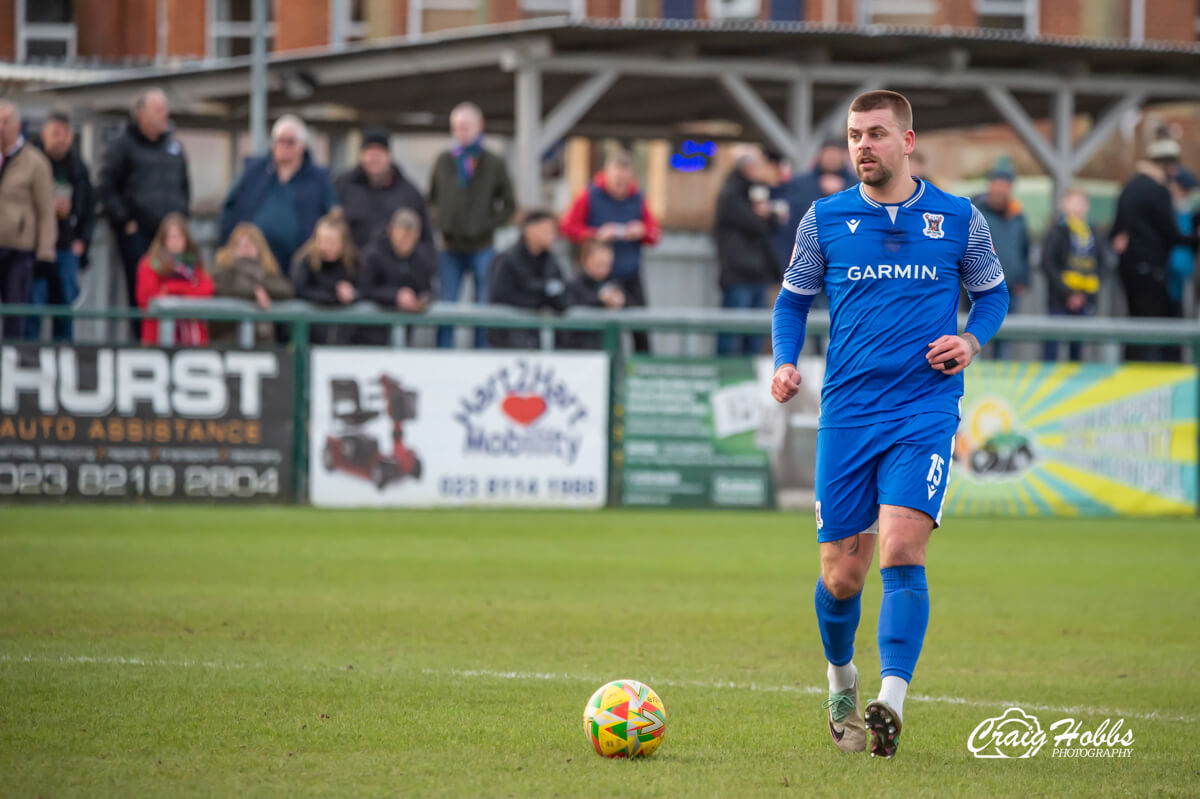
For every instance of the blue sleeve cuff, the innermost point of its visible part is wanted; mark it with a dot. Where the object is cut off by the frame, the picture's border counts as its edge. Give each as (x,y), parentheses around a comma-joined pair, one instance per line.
(988,309)
(789,325)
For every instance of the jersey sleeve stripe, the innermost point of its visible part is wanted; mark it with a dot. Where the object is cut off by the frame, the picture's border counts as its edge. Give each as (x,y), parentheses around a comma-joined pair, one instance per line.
(806,273)
(981,269)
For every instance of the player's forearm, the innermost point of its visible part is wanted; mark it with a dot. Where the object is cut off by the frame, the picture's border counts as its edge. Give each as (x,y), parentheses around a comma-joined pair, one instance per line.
(988,309)
(789,325)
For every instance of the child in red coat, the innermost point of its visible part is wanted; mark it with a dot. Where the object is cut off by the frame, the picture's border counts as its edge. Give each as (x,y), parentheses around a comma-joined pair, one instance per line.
(171,267)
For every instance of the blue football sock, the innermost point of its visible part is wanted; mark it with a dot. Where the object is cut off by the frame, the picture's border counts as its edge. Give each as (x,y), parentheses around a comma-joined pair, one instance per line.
(903,617)
(838,621)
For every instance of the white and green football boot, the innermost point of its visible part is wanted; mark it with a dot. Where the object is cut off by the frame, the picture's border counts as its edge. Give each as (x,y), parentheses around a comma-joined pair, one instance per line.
(846,723)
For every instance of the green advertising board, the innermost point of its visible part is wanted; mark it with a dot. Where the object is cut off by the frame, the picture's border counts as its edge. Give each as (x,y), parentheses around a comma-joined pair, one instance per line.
(686,434)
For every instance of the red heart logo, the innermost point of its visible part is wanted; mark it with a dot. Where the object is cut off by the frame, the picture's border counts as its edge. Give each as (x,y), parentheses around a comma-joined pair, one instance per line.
(523,410)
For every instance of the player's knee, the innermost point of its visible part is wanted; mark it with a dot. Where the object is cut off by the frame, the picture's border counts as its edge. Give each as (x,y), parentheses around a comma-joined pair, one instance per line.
(843,580)
(901,552)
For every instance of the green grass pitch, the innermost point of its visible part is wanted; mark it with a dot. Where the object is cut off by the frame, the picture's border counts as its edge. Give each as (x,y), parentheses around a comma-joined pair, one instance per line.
(281,652)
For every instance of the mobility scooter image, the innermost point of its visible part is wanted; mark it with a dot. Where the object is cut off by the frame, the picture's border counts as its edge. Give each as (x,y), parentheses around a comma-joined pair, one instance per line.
(354,450)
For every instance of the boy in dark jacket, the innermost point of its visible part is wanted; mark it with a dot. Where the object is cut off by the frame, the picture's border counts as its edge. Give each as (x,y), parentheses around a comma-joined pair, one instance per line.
(75,207)
(1073,259)
(397,272)
(591,288)
(470,196)
(527,275)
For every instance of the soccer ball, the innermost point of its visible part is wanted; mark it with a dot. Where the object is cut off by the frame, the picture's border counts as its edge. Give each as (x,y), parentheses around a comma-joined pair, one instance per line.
(624,719)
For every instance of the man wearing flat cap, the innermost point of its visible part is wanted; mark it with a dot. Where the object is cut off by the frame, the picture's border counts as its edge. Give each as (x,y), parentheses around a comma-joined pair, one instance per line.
(373,191)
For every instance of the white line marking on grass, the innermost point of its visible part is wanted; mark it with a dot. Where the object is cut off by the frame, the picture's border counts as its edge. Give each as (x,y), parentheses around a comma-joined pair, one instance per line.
(548,676)
(811,690)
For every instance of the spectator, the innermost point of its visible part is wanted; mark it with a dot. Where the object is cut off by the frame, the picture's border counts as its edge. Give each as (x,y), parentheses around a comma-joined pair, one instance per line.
(144,178)
(1144,233)
(373,191)
(397,272)
(470,195)
(785,202)
(745,254)
(283,193)
(527,275)
(323,272)
(830,175)
(75,210)
(1183,260)
(613,210)
(28,225)
(1010,234)
(1072,258)
(171,267)
(591,288)
(246,269)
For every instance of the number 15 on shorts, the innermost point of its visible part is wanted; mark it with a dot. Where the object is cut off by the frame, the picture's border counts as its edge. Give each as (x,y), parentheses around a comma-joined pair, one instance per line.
(934,479)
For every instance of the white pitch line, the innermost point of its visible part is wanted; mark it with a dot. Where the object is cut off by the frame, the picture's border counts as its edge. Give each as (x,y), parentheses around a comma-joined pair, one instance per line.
(584,678)
(812,690)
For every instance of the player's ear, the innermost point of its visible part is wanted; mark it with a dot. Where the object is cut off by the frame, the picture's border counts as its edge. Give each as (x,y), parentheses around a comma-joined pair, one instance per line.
(910,142)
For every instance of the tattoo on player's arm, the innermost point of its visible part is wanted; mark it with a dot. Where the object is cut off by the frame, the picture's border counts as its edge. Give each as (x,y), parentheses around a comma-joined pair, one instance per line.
(972,343)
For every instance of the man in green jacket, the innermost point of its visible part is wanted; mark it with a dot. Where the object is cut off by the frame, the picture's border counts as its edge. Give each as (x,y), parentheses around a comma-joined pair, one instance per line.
(470,195)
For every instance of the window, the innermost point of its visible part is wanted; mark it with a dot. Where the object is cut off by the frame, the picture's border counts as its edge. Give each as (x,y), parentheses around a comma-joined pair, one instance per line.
(231,28)
(899,12)
(679,9)
(549,8)
(427,16)
(354,27)
(787,10)
(45,29)
(734,9)
(1016,15)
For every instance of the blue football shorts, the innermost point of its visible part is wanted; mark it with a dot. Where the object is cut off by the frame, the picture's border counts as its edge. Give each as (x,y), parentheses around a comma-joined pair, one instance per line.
(903,462)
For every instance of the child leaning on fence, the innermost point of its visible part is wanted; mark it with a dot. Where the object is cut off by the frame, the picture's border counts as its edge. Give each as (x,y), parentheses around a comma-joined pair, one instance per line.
(172,268)
(247,270)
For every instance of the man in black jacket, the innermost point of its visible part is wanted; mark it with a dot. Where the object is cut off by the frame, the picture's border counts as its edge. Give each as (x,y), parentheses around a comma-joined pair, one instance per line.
(145,177)
(373,191)
(75,207)
(745,254)
(527,275)
(397,272)
(1144,233)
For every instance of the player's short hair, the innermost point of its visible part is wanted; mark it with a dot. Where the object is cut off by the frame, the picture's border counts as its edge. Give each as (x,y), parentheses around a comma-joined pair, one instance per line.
(882,98)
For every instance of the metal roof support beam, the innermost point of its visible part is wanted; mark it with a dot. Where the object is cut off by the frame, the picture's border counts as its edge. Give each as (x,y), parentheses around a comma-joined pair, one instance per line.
(761,114)
(573,107)
(528,133)
(1105,125)
(1016,116)
(1064,115)
(800,113)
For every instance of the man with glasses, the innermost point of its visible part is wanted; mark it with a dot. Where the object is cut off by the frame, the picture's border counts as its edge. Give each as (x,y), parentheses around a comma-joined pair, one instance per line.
(283,193)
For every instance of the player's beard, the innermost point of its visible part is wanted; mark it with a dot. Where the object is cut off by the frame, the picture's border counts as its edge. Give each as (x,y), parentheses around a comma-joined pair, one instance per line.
(879,177)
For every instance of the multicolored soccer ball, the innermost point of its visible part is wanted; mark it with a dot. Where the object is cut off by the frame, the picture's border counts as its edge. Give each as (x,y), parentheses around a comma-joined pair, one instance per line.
(625,719)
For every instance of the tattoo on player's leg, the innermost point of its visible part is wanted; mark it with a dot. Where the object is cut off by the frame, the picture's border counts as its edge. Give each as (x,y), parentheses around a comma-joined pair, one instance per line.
(904,513)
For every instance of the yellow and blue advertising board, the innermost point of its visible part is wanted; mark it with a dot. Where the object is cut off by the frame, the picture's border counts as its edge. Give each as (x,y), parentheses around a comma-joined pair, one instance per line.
(1049,439)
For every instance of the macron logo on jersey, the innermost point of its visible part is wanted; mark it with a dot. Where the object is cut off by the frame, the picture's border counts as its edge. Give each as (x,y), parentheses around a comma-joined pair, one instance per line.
(892,272)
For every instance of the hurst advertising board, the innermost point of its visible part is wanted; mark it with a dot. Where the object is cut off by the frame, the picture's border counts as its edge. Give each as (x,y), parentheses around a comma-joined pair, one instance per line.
(126,423)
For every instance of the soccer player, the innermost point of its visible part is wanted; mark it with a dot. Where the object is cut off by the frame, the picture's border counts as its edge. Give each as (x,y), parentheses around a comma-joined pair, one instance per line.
(890,254)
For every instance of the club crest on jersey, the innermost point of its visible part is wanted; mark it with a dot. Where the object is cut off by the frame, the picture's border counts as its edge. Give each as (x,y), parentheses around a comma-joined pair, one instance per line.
(933,226)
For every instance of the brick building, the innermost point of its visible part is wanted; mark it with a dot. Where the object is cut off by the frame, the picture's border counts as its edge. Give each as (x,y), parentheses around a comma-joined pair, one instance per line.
(138,31)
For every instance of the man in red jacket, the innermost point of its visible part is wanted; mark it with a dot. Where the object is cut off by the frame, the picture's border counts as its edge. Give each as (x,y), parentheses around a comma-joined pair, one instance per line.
(612,209)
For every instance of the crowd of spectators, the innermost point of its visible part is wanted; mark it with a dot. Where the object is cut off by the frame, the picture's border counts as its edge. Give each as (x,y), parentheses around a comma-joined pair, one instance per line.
(289,230)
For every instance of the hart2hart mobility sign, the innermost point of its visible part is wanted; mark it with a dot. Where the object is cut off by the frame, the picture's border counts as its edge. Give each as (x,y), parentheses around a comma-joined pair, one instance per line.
(429,428)
(1046,439)
(121,423)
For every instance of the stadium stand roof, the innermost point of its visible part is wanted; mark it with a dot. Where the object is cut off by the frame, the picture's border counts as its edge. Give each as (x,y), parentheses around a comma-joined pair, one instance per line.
(787,83)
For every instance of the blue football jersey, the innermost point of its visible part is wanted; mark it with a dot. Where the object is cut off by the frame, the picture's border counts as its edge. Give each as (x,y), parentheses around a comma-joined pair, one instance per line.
(892,274)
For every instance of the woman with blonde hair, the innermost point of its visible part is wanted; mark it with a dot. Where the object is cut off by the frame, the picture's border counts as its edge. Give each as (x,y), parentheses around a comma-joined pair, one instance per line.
(171,267)
(323,271)
(246,269)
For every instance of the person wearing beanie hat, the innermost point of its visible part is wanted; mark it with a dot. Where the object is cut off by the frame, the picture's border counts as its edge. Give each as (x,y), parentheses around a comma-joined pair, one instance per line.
(1010,233)
(1143,235)
(372,192)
